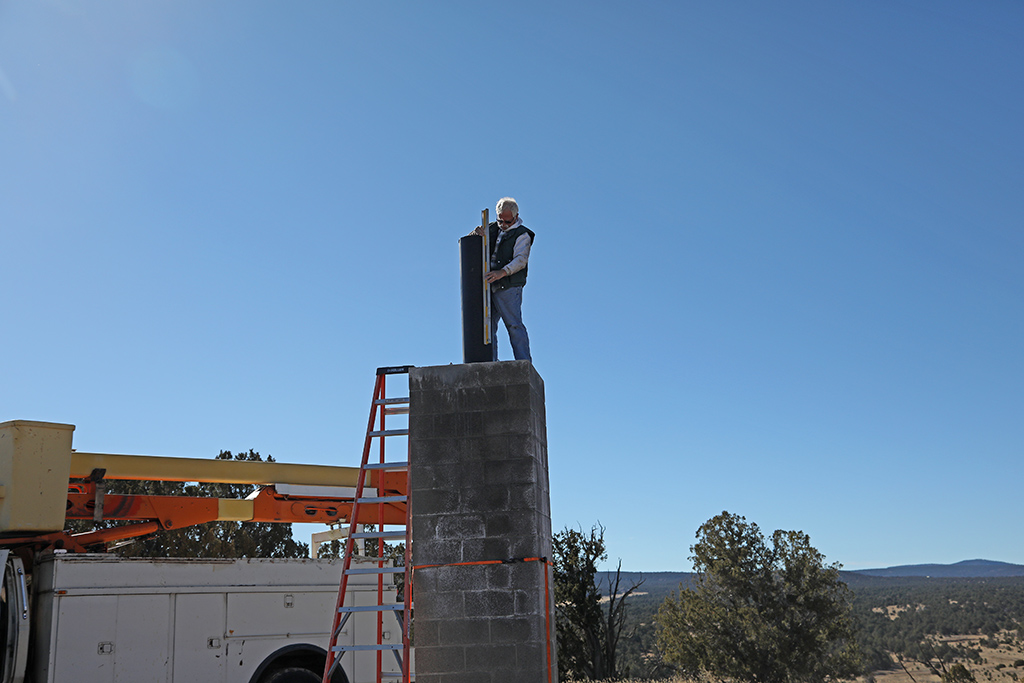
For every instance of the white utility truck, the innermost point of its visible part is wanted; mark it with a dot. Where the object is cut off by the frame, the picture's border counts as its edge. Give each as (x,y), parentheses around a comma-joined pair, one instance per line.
(98,618)
(87,617)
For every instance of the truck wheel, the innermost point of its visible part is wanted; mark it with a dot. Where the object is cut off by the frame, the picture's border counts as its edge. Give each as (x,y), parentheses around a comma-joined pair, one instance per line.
(294,675)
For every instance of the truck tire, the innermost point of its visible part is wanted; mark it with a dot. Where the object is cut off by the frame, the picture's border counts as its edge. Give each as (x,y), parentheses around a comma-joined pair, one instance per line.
(294,674)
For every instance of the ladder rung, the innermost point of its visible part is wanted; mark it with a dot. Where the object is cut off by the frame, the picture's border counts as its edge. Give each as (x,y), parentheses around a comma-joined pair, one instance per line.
(383,499)
(374,608)
(386,466)
(396,411)
(378,534)
(363,648)
(390,401)
(377,570)
(389,432)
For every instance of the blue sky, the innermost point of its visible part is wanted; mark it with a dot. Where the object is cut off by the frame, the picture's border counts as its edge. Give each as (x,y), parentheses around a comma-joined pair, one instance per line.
(777,269)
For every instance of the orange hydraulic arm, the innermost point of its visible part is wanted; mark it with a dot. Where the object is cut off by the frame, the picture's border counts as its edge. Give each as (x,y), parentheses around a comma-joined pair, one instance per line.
(150,513)
(176,512)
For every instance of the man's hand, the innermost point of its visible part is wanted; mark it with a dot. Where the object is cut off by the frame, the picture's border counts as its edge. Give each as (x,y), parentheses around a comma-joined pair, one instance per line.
(478,230)
(495,275)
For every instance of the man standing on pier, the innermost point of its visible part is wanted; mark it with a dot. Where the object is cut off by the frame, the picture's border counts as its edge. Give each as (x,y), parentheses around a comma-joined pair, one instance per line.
(510,243)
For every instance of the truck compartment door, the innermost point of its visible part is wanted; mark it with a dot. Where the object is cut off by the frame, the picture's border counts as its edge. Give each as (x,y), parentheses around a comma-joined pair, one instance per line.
(84,646)
(143,639)
(199,643)
(14,619)
(113,638)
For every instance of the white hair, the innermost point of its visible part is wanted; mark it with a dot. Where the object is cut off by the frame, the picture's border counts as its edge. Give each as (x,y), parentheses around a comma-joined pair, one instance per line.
(507,204)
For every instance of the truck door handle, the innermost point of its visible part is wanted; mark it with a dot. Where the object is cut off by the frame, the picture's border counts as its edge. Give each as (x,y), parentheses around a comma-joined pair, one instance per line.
(24,593)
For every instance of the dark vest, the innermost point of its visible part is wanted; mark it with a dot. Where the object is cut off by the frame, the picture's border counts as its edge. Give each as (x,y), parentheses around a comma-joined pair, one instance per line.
(505,254)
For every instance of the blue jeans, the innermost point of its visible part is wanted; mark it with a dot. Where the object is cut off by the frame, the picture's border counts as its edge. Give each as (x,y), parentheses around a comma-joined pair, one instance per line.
(507,304)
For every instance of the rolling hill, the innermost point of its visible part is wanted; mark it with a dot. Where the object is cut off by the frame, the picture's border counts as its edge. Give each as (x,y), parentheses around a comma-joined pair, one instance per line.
(968,569)
(660,584)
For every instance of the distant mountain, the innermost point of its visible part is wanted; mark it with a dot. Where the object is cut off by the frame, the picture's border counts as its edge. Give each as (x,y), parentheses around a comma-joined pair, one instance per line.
(662,583)
(968,569)
(655,583)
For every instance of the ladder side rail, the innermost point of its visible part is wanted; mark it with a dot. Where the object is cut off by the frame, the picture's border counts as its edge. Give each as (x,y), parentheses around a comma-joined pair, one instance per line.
(382,502)
(403,659)
(407,586)
(380,528)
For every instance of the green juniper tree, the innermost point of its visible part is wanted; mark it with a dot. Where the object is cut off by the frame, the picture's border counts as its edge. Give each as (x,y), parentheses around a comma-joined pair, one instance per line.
(589,627)
(771,614)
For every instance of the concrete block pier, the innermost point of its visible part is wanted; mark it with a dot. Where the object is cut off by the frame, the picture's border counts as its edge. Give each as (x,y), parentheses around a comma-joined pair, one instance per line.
(479,487)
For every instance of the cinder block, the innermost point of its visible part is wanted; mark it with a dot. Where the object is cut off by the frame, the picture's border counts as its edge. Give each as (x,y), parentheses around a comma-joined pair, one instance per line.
(515,630)
(460,425)
(426,581)
(461,677)
(493,448)
(485,498)
(514,676)
(425,633)
(434,451)
(491,659)
(512,471)
(491,604)
(523,497)
(535,654)
(441,659)
(530,546)
(466,633)
(502,422)
(495,397)
(429,478)
(460,579)
(466,399)
(440,552)
(519,397)
(519,445)
(424,526)
(512,523)
(528,576)
(499,576)
(432,502)
(421,424)
(499,524)
(530,602)
(434,606)
(544,508)
(460,526)
(522,674)
(429,603)
(486,549)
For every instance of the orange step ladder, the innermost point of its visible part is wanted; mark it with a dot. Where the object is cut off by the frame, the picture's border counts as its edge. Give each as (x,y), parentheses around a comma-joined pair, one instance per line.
(381,500)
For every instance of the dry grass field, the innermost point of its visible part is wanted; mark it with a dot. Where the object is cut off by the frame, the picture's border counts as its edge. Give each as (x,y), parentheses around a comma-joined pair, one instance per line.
(997,664)
(634,680)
